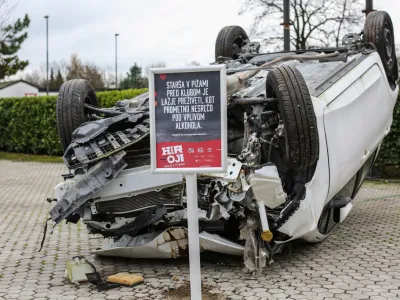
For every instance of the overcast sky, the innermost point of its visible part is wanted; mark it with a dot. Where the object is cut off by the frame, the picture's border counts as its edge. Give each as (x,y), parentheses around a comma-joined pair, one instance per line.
(174,31)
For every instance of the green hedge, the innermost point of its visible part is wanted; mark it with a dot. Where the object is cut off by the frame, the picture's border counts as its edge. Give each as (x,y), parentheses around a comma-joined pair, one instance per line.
(28,125)
(389,153)
(108,99)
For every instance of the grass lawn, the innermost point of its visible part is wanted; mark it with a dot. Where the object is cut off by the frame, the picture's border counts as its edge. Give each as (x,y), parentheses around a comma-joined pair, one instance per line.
(30,157)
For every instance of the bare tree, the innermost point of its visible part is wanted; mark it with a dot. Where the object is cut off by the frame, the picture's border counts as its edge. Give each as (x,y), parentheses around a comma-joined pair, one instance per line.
(94,74)
(59,65)
(314,22)
(76,69)
(36,77)
(6,9)
(108,76)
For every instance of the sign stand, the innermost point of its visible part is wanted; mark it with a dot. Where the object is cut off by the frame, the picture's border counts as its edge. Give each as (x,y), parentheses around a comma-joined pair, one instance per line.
(188,135)
(193,230)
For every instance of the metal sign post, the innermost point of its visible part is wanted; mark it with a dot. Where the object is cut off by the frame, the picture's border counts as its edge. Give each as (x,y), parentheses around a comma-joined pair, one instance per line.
(193,229)
(188,135)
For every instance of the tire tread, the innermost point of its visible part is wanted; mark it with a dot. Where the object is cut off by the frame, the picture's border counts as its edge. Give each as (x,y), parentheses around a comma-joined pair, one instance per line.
(225,39)
(297,111)
(70,107)
(374,33)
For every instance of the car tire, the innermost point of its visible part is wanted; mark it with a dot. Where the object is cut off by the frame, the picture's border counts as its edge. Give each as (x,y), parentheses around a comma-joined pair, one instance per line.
(301,142)
(378,30)
(70,109)
(229,42)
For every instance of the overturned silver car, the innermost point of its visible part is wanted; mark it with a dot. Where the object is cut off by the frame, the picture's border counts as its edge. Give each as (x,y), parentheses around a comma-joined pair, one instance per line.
(304,128)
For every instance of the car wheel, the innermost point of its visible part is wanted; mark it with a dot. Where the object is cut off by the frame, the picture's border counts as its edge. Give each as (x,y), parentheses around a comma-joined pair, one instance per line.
(300,147)
(378,30)
(230,41)
(70,109)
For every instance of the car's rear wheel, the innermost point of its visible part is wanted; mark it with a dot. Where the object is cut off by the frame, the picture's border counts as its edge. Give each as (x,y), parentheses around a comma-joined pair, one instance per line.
(378,30)
(230,41)
(300,142)
(70,110)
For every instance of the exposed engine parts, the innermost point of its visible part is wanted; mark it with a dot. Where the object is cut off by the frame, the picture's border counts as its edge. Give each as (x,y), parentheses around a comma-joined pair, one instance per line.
(98,139)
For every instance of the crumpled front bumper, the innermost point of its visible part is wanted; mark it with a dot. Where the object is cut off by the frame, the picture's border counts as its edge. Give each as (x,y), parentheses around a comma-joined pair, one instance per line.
(170,243)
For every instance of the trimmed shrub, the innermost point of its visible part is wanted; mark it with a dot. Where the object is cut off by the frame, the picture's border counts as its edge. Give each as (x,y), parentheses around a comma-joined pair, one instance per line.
(389,154)
(28,125)
(108,99)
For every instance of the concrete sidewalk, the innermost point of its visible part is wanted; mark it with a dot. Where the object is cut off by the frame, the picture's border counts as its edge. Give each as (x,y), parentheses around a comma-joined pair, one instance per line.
(361,260)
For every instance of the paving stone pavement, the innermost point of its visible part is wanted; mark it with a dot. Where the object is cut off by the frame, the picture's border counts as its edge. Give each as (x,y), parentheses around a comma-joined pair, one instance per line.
(361,260)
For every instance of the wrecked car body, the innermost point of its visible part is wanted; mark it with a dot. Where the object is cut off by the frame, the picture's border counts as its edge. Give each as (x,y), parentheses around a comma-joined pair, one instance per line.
(304,128)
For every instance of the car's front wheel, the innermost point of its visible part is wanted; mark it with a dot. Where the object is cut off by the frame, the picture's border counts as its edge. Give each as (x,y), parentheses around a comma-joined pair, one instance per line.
(70,111)
(299,142)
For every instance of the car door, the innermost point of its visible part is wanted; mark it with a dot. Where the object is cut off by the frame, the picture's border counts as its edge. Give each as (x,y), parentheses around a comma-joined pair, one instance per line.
(356,121)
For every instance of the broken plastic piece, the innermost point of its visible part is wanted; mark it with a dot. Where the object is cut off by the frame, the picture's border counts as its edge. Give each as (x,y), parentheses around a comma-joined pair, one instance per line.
(251,246)
(77,268)
(92,141)
(73,195)
(44,234)
(267,186)
(340,202)
(101,284)
(146,218)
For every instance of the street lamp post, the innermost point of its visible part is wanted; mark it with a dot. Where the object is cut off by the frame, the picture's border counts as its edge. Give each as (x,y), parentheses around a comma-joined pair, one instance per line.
(116,61)
(47,54)
(286,25)
(369,6)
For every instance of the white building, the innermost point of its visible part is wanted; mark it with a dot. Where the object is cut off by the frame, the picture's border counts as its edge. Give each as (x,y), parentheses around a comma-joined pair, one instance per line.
(18,88)
(22,88)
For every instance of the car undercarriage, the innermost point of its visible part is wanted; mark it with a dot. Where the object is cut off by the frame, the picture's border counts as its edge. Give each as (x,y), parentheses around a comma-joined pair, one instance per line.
(275,147)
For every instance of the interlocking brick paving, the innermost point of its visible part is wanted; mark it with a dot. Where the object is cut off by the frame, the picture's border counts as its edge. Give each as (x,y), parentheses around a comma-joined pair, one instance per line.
(361,260)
